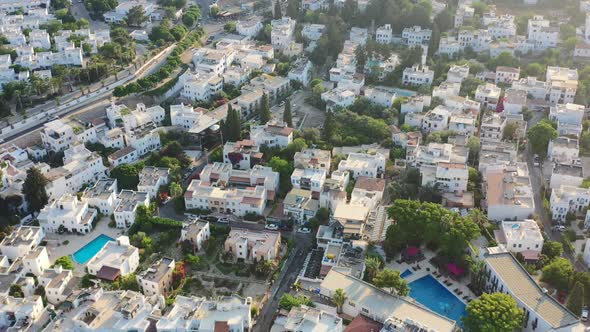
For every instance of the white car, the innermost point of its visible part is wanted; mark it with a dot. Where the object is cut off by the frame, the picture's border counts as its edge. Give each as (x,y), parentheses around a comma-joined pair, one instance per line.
(272,227)
(223,220)
(585,314)
(559,228)
(304,230)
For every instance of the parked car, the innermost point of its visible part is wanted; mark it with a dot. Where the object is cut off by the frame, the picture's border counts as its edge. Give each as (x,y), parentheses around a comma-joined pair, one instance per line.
(559,228)
(585,313)
(536,160)
(304,230)
(210,218)
(272,227)
(223,220)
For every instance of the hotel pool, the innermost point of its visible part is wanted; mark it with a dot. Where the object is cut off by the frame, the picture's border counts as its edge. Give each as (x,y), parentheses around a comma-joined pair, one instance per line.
(433,295)
(406,273)
(404,92)
(88,251)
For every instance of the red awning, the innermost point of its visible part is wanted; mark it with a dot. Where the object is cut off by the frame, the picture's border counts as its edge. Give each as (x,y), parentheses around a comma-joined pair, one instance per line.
(108,273)
(454,269)
(412,251)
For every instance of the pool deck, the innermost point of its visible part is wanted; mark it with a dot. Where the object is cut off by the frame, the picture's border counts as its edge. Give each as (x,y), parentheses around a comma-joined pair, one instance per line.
(57,249)
(423,272)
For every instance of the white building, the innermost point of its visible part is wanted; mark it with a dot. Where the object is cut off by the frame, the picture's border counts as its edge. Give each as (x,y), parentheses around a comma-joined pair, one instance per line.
(380,96)
(56,282)
(309,179)
(507,75)
(521,236)
(562,84)
(67,214)
(514,101)
(313,158)
(416,36)
(541,33)
(450,177)
(116,258)
(299,205)
(568,199)
(363,164)
(58,135)
(507,275)
(384,34)
(488,95)
(563,150)
(21,241)
(508,191)
(196,232)
(249,28)
(282,32)
(567,114)
(272,134)
(418,75)
(190,119)
(242,154)
(449,46)
(157,279)
(436,119)
(102,196)
(152,178)
(36,261)
(254,246)
(566,174)
(126,155)
(301,71)
(128,202)
(239,202)
(307,319)
(338,97)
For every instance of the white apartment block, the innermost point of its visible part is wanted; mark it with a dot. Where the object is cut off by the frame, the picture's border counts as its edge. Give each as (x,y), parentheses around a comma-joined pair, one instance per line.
(568,199)
(415,104)
(449,46)
(67,214)
(380,96)
(450,177)
(446,89)
(239,202)
(57,283)
(128,202)
(363,164)
(507,275)
(479,40)
(116,258)
(541,33)
(563,150)
(144,139)
(196,232)
(80,167)
(507,75)
(416,36)
(190,119)
(210,313)
(299,205)
(509,194)
(384,34)
(258,175)
(566,174)
(504,27)
(301,71)
(272,134)
(523,236)
(309,179)
(492,127)
(102,196)
(464,124)
(306,319)
(567,113)
(36,261)
(488,95)
(436,119)
(514,101)
(562,84)
(313,32)
(433,153)
(21,241)
(119,14)
(157,279)
(58,135)
(418,75)
(282,32)
(242,154)
(252,245)
(152,178)
(249,28)
(126,155)
(464,13)
(313,158)
(537,89)
(200,85)
(338,97)
(121,115)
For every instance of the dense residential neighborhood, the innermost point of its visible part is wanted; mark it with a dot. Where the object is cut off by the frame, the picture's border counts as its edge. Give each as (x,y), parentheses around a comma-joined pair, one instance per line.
(295,165)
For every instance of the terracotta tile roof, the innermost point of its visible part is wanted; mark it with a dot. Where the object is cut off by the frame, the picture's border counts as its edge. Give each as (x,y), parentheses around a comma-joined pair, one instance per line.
(363,324)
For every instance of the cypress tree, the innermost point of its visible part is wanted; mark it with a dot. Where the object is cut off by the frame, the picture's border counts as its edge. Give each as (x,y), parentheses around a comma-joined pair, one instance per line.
(287,116)
(277,12)
(264,109)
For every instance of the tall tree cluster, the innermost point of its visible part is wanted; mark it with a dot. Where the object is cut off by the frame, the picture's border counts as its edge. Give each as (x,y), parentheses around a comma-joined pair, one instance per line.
(232,127)
(34,189)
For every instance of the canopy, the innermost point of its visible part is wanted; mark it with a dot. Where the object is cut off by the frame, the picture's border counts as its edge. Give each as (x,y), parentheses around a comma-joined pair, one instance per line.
(412,251)
(454,269)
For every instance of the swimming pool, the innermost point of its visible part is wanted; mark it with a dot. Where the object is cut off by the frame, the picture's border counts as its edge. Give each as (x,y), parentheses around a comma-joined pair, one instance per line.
(436,297)
(406,273)
(404,92)
(88,251)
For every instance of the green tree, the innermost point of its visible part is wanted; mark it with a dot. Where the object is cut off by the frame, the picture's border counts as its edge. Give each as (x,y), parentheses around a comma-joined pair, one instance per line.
(289,301)
(287,116)
(575,301)
(539,136)
(552,249)
(393,281)
(277,10)
(329,127)
(175,189)
(372,267)
(99,7)
(293,8)
(230,27)
(136,16)
(284,168)
(16,291)
(191,16)
(127,176)
(496,312)
(509,133)
(558,273)
(34,189)
(264,111)
(361,58)
(232,127)
(339,298)
(65,262)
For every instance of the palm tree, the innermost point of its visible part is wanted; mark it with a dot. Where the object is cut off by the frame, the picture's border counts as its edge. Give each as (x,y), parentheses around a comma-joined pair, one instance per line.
(372,264)
(339,298)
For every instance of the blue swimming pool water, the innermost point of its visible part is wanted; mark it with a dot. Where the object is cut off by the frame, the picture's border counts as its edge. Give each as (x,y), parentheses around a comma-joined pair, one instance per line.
(88,251)
(404,93)
(406,273)
(433,295)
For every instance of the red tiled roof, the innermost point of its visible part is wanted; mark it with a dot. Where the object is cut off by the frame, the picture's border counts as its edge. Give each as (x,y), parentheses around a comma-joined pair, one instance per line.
(363,324)
(270,195)
(221,327)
